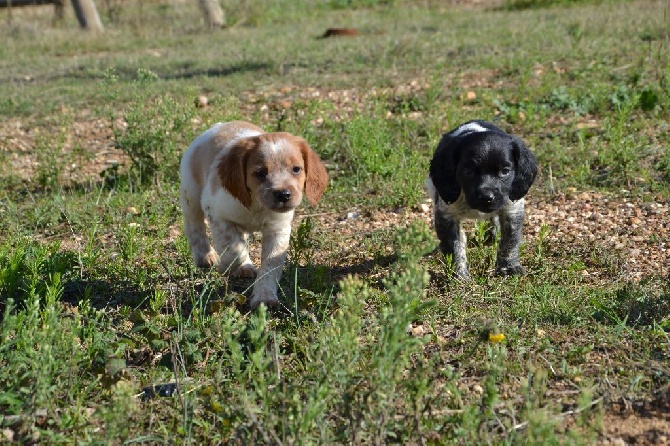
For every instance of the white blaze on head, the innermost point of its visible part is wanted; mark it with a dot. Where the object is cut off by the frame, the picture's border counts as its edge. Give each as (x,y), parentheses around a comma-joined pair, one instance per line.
(277,146)
(470,127)
(245,133)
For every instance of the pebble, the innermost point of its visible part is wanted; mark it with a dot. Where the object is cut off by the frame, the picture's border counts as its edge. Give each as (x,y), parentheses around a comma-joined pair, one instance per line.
(174,232)
(418,331)
(628,224)
(201,101)
(8,435)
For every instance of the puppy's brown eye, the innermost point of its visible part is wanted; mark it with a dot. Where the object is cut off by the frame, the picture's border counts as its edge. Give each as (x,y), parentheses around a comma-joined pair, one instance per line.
(504,172)
(297,169)
(261,173)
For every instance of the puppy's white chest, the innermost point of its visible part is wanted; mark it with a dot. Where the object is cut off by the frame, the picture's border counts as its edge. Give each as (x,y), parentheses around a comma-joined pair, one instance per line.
(460,210)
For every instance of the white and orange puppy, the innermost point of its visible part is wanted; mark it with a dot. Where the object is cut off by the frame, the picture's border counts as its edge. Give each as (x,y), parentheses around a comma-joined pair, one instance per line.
(242,180)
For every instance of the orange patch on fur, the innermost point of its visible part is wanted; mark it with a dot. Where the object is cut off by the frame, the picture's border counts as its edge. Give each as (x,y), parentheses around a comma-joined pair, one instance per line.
(232,171)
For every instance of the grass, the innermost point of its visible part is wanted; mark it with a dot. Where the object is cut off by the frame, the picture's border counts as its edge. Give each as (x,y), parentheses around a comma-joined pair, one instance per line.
(99,298)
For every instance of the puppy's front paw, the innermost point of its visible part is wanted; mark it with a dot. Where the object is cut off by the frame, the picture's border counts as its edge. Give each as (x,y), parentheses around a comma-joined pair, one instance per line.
(462,274)
(510,270)
(208,260)
(247,270)
(267,299)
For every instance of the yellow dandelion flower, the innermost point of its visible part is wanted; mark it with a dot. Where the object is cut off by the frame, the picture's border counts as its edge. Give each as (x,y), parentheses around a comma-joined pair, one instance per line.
(496,337)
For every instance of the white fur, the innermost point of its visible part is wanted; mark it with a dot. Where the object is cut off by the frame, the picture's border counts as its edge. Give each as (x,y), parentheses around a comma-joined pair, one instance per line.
(460,210)
(204,197)
(470,127)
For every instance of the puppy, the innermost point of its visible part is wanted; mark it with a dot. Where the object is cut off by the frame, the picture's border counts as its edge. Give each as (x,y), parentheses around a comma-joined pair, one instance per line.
(242,179)
(480,172)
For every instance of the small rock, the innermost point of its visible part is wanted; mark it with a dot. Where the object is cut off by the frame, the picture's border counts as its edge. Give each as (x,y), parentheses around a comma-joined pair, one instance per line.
(132,210)
(418,331)
(174,232)
(423,207)
(470,95)
(7,435)
(201,101)
(478,389)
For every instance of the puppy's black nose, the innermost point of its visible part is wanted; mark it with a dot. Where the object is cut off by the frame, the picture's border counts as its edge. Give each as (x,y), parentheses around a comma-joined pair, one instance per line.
(283,195)
(487,197)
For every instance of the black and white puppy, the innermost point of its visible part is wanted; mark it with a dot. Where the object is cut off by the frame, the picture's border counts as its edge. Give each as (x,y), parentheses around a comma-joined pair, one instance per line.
(480,172)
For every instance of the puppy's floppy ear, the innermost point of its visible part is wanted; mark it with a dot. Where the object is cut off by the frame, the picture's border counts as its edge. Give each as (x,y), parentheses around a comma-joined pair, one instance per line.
(233,170)
(525,171)
(443,169)
(316,175)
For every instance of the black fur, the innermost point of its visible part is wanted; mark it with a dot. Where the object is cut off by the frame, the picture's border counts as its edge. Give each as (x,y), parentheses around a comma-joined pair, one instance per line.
(482,153)
(493,171)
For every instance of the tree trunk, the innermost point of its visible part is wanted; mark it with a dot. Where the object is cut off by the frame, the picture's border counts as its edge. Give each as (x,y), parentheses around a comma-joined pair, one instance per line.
(214,17)
(59,10)
(87,14)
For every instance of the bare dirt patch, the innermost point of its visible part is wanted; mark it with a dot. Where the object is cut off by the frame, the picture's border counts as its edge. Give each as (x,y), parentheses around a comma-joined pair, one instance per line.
(86,150)
(636,228)
(639,423)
